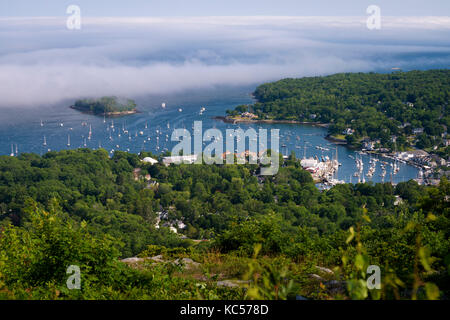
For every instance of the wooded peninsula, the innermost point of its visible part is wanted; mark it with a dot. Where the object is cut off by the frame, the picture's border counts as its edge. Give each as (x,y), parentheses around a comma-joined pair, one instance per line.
(395,111)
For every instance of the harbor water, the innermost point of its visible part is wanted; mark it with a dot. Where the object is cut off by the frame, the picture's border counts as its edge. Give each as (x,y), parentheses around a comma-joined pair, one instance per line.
(50,128)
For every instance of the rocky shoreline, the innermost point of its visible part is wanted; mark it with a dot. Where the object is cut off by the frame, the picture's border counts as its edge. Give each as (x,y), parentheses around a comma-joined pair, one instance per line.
(108,114)
(269,121)
(336,140)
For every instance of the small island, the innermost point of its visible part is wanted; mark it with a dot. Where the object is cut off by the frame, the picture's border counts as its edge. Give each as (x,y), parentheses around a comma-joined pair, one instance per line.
(106,106)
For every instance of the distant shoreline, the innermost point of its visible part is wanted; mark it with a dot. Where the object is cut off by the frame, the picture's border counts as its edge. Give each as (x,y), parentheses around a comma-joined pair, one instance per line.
(108,114)
(329,137)
(269,121)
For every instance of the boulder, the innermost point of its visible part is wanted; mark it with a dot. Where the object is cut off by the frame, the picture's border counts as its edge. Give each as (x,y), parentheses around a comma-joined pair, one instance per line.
(158,258)
(336,287)
(316,277)
(132,260)
(188,262)
(231,283)
(325,270)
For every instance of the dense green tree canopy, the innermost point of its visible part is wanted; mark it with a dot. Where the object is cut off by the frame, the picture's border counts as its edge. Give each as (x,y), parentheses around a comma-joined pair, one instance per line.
(82,206)
(376,106)
(105,105)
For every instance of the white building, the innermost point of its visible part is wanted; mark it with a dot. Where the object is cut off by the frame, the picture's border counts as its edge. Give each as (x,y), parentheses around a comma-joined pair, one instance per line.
(173,229)
(249,115)
(405,155)
(149,160)
(348,131)
(311,164)
(369,145)
(180,159)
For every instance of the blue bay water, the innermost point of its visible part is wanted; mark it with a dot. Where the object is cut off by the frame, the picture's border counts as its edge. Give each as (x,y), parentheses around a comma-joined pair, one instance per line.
(151,129)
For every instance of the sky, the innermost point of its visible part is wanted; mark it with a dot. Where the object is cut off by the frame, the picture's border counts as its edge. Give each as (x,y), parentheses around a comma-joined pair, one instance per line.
(28,8)
(135,48)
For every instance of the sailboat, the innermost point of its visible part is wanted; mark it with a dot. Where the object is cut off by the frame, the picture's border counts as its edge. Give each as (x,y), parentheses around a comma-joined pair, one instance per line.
(45,141)
(90,132)
(420,174)
(163,105)
(396,167)
(68,140)
(12,150)
(42,124)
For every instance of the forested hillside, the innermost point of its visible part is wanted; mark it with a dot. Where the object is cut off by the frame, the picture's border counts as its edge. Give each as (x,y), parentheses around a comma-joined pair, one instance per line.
(105,105)
(81,207)
(376,106)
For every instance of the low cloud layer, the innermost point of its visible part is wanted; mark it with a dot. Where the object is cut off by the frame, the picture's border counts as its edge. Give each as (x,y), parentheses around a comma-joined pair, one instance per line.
(42,62)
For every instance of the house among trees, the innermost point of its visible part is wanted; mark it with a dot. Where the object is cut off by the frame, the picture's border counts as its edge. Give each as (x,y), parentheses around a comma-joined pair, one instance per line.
(370,145)
(348,131)
(249,115)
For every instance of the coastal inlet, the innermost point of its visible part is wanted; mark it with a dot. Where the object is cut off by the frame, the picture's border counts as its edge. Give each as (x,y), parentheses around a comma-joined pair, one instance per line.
(58,127)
